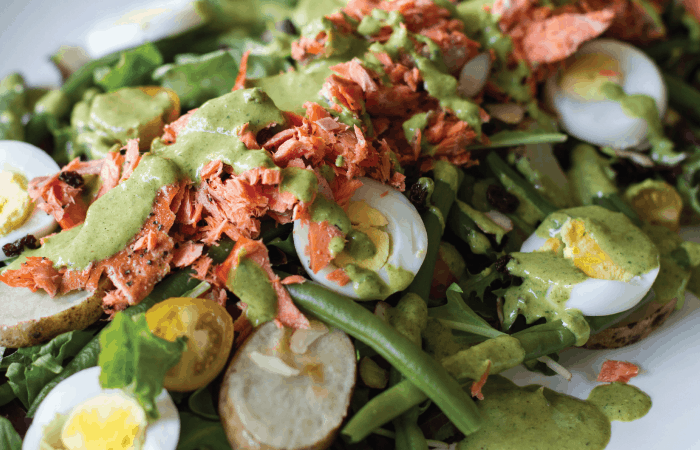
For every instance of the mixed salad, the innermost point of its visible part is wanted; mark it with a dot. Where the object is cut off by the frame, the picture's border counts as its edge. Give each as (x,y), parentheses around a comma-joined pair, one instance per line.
(302,224)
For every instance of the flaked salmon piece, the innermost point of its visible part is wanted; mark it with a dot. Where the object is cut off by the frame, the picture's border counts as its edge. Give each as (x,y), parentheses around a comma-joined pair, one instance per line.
(171,130)
(293,279)
(186,253)
(279,138)
(339,277)
(305,48)
(478,385)
(560,36)
(242,70)
(343,189)
(287,313)
(353,70)
(133,271)
(36,273)
(617,371)
(110,173)
(132,158)
(320,236)
(337,89)
(202,268)
(248,137)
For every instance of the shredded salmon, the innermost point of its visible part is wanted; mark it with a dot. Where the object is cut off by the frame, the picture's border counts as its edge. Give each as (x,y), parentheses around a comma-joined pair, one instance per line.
(617,371)
(287,313)
(339,277)
(293,279)
(242,70)
(478,385)
(185,254)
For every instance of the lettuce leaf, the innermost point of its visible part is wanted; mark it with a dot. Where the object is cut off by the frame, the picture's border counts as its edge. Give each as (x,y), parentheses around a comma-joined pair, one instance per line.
(9,438)
(134,359)
(30,369)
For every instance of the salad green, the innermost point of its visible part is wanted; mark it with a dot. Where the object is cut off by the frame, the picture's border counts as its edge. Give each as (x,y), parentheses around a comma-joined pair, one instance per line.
(308,85)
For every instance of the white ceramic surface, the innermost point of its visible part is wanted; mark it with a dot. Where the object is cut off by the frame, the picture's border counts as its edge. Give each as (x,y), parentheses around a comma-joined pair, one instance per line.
(31,30)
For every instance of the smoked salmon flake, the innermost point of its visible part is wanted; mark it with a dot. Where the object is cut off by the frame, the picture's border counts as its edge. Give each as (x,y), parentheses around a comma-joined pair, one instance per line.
(613,371)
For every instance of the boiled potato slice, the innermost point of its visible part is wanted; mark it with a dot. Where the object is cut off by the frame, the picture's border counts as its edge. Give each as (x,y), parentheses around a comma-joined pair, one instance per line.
(273,398)
(29,318)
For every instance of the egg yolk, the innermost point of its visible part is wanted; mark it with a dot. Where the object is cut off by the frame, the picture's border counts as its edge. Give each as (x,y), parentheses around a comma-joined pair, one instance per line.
(367,221)
(584,251)
(108,421)
(585,77)
(15,204)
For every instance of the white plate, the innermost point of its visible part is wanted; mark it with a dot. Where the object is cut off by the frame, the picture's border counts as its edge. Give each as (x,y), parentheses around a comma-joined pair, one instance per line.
(670,358)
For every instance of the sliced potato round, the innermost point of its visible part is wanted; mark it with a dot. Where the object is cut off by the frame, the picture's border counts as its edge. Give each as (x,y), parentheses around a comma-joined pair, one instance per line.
(29,318)
(273,398)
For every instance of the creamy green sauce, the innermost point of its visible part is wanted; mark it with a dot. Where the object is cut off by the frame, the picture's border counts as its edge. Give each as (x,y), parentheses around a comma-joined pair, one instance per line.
(323,210)
(105,120)
(589,176)
(368,285)
(628,246)
(250,283)
(535,418)
(359,246)
(212,133)
(107,229)
(620,401)
(302,183)
(548,280)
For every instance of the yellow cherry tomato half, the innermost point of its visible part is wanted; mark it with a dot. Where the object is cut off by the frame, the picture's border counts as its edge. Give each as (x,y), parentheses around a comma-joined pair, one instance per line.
(209,331)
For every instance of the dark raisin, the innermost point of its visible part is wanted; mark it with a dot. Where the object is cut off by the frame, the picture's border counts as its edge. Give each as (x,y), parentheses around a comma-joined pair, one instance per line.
(502,262)
(12,249)
(501,199)
(73,179)
(30,242)
(418,195)
(286,26)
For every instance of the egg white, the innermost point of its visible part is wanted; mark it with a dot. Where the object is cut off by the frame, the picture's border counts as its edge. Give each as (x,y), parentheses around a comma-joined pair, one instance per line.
(409,239)
(162,434)
(604,123)
(30,161)
(597,297)
(151,22)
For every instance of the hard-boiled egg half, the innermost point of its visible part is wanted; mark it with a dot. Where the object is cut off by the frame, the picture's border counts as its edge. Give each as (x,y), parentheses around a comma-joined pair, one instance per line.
(391,222)
(149,23)
(19,163)
(619,260)
(576,93)
(79,414)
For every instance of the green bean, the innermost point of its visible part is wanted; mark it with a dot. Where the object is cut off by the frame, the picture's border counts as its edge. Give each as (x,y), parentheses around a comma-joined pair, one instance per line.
(409,436)
(683,96)
(539,340)
(343,313)
(382,409)
(506,173)
(173,286)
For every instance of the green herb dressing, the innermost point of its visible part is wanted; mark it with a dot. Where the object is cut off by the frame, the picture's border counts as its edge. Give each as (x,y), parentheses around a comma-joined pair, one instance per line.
(548,280)
(535,418)
(250,283)
(302,183)
(620,401)
(107,230)
(359,246)
(368,285)
(212,133)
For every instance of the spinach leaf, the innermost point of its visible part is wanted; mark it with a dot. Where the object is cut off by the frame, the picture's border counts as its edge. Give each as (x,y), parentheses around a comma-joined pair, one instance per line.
(134,68)
(200,434)
(508,138)
(134,359)
(457,315)
(9,438)
(197,79)
(6,394)
(30,369)
(202,404)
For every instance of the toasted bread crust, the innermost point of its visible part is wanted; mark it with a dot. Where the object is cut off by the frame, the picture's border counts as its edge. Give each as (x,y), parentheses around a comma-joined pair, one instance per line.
(633,329)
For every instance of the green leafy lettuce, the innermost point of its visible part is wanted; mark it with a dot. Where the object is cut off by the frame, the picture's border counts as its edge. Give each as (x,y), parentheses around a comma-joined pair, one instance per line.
(134,359)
